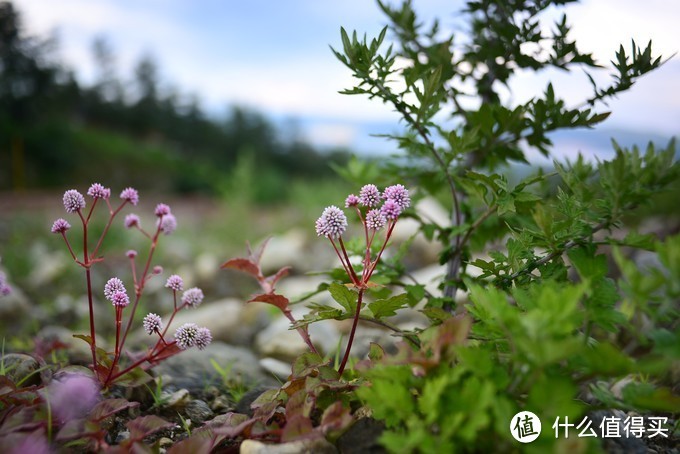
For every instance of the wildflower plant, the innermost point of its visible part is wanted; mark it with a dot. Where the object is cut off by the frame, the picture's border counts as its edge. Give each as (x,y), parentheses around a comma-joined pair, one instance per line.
(378,213)
(107,365)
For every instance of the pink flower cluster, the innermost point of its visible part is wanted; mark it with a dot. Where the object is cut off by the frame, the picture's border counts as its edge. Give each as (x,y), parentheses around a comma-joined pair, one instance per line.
(333,222)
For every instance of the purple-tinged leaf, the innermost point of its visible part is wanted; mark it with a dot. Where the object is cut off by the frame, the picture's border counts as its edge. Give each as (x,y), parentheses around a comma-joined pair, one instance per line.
(299,428)
(235,425)
(108,407)
(245,265)
(23,419)
(336,418)
(279,301)
(6,385)
(79,428)
(273,279)
(296,404)
(198,442)
(144,426)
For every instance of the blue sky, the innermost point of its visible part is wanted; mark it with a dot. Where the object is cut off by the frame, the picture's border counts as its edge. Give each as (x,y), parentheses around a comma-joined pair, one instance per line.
(274,56)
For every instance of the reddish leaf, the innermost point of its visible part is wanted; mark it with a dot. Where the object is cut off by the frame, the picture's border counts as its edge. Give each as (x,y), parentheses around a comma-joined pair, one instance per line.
(203,441)
(166,352)
(273,279)
(293,386)
(146,425)
(234,425)
(108,407)
(296,404)
(265,411)
(79,428)
(336,418)
(6,385)
(279,301)
(298,428)
(245,265)
(258,254)
(23,419)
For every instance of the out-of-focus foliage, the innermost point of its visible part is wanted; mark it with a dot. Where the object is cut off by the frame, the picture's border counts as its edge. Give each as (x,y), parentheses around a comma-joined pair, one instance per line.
(556,317)
(56,131)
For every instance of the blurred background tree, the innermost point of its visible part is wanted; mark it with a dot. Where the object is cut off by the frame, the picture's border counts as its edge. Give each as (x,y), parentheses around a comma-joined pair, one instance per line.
(56,131)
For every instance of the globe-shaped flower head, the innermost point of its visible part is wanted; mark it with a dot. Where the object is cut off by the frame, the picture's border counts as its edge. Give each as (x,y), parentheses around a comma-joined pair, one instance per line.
(97,191)
(131,195)
(152,323)
(375,220)
(203,338)
(175,283)
(192,297)
(113,286)
(186,335)
(369,196)
(167,223)
(60,226)
(390,209)
(73,201)
(332,223)
(399,194)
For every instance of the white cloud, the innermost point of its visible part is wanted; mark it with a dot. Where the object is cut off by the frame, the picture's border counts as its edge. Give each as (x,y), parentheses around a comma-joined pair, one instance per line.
(332,134)
(284,81)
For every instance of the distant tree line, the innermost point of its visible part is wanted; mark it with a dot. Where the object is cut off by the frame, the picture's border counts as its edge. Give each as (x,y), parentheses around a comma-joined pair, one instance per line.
(55,130)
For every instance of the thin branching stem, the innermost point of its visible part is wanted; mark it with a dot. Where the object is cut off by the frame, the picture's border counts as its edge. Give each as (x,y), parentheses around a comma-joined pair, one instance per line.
(352,332)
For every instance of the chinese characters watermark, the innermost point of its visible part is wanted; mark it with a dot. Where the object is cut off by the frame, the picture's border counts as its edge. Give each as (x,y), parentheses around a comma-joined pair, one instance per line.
(525,427)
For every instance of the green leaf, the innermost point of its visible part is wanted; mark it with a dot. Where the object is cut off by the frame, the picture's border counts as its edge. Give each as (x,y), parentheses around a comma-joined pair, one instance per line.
(344,297)
(388,307)
(135,377)
(305,363)
(506,204)
(645,395)
(416,292)
(588,265)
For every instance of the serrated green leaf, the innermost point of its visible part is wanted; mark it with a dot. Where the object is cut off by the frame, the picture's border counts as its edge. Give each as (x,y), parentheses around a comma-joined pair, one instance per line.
(588,265)
(506,204)
(344,297)
(388,307)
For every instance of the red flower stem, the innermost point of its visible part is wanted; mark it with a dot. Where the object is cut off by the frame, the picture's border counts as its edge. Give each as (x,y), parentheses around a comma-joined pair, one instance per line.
(134,271)
(387,238)
(172,317)
(93,344)
(149,357)
(140,288)
(367,259)
(119,316)
(88,278)
(351,268)
(106,229)
(138,295)
(302,331)
(352,332)
(89,215)
(347,266)
(70,249)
